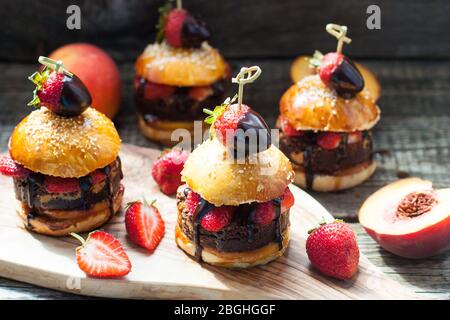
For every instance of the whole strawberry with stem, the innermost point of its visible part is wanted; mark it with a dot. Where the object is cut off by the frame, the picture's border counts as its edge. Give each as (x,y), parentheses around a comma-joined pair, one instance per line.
(59,90)
(180,28)
(333,250)
(102,255)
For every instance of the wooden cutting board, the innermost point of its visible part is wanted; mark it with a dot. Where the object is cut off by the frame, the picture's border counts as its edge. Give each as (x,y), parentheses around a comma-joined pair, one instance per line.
(168,272)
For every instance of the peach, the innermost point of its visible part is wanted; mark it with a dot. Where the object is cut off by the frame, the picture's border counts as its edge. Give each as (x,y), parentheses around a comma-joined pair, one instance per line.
(408,218)
(97,71)
(301,68)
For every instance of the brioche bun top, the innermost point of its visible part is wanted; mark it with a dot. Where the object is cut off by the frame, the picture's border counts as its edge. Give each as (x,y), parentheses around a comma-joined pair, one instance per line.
(311,105)
(212,172)
(68,147)
(183,67)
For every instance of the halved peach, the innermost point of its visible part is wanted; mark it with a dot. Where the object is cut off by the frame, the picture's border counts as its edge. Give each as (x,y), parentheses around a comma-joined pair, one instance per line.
(301,68)
(408,218)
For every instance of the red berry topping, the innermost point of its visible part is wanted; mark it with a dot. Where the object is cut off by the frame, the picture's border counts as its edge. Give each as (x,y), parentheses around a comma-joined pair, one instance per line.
(288,129)
(226,124)
(328,140)
(265,213)
(102,255)
(166,171)
(173,26)
(154,91)
(61,185)
(97,176)
(218,218)
(354,137)
(192,201)
(144,225)
(333,250)
(51,89)
(288,200)
(330,63)
(10,168)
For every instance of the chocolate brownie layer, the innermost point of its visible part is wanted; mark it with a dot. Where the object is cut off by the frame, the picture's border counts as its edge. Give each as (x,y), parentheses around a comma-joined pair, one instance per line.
(239,236)
(32,191)
(321,161)
(179,106)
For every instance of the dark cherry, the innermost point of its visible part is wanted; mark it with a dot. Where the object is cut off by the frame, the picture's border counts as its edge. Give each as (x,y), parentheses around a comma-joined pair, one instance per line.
(75,97)
(193,32)
(346,79)
(252,124)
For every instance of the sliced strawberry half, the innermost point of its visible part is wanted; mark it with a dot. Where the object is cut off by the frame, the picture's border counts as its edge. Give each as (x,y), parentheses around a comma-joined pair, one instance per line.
(144,224)
(328,140)
(102,255)
(288,129)
(61,185)
(10,168)
(98,176)
(200,93)
(288,200)
(154,91)
(192,201)
(217,219)
(354,137)
(265,213)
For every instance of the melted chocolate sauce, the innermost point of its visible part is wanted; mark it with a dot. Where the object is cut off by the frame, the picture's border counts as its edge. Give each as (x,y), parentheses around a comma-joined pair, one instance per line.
(309,173)
(254,125)
(33,181)
(278,235)
(202,209)
(106,170)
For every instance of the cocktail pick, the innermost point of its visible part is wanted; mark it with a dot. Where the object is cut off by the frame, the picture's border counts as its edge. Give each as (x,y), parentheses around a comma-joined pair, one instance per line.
(246,75)
(340,33)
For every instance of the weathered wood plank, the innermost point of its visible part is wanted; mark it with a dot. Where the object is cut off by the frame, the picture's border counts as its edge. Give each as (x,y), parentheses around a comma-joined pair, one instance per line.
(409,28)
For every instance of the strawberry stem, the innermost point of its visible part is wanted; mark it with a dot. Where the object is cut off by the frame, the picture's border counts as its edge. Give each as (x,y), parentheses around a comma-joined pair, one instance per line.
(246,75)
(78,237)
(339,32)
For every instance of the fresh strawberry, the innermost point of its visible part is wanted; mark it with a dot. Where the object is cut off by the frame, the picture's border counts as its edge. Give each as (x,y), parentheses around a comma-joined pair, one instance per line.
(192,201)
(61,185)
(62,92)
(97,176)
(288,200)
(288,129)
(328,140)
(154,91)
(10,168)
(265,213)
(331,61)
(354,137)
(144,225)
(102,255)
(166,171)
(183,30)
(218,218)
(333,250)
(200,93)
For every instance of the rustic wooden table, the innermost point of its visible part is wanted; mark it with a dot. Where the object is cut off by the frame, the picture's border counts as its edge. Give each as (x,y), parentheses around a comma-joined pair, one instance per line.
(414,131)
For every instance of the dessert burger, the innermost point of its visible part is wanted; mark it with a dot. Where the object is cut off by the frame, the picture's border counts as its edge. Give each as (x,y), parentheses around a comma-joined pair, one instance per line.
(63,158)
(233,210)
(325,121)
(177,75)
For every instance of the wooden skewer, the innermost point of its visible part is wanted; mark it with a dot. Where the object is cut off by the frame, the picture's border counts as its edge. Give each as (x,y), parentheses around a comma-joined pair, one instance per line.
(246,75)
(179,4)
(56,65)
(339,32)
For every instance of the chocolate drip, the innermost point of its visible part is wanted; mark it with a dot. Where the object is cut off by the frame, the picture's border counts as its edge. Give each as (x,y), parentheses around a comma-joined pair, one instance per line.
(85,187)
(33,180)
(252,124)
(250,223)
(342,148)
(202,209)
(278,235)
(106,170)
(309,173)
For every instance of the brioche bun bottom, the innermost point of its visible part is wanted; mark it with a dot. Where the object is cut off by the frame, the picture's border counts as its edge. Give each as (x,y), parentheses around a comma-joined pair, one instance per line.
(79,221)
(347,179)
(161,131)
(245,259)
